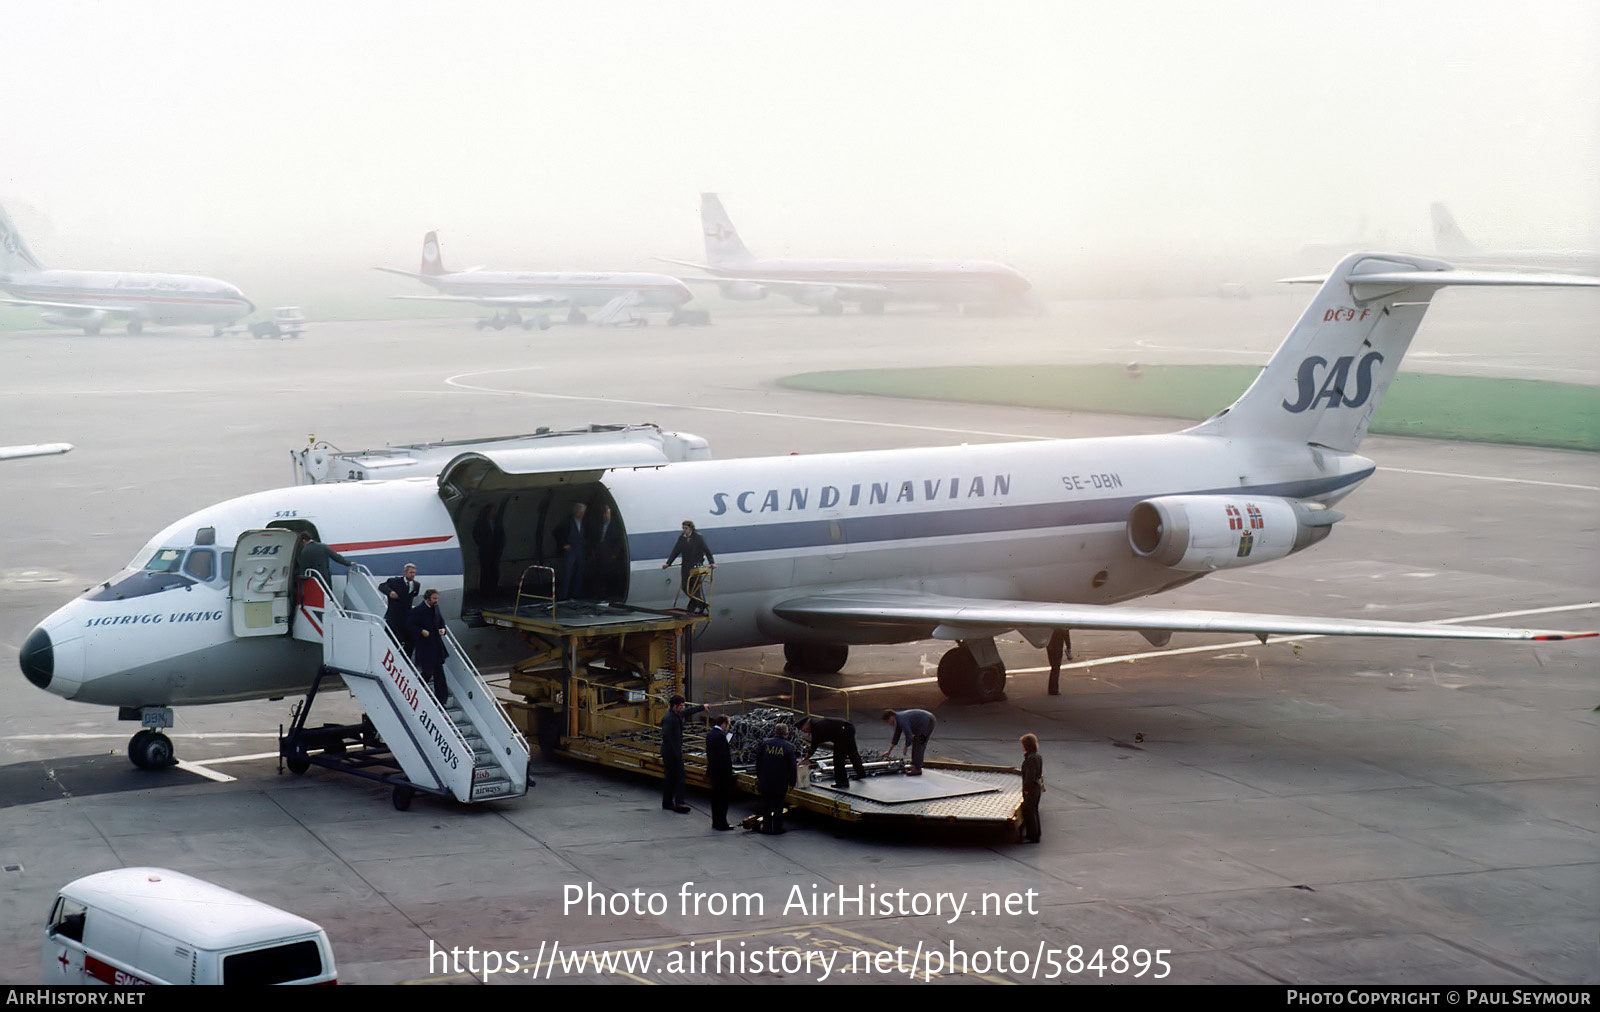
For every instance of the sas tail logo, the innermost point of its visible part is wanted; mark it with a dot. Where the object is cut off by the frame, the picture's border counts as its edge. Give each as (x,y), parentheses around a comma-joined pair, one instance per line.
(1332,389)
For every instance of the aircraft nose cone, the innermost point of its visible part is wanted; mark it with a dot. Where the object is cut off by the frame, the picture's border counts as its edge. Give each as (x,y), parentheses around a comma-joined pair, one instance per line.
(38,658)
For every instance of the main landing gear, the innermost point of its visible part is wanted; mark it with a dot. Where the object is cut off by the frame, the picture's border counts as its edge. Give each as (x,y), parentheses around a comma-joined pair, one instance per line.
(971,671)
(815,658)
(512,318)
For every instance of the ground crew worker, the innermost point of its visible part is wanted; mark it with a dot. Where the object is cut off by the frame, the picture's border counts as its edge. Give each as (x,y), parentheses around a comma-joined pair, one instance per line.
(918,728)
(775,774)
(695,553)
(841,734)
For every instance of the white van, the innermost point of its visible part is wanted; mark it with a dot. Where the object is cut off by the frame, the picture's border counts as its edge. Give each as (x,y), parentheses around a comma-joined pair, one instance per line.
(137,926)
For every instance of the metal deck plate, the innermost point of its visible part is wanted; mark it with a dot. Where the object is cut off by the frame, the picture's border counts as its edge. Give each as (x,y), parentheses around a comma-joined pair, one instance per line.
(898,789)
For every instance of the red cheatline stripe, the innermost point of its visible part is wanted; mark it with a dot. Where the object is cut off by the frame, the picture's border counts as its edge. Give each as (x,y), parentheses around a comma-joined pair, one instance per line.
(1569,636)
(367,546)
(68,295)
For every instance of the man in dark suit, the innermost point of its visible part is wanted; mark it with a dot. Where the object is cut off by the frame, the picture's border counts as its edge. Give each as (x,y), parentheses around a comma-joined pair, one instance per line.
(719,767)
(672,775)
(489,534)
(608,558)
(400,596)
(841,734)
(314,558)
(427,634)
(574,551)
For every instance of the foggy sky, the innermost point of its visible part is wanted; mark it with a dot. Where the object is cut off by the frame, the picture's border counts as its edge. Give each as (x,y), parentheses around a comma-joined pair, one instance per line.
(328,136)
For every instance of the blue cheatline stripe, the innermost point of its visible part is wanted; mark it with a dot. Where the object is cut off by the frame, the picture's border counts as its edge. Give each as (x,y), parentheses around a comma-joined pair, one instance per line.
(869,531)
(386,562)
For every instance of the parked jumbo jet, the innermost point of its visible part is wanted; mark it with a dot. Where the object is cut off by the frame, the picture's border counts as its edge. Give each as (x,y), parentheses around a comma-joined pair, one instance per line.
(1450,241)
(509,292)
(829,284)
(960,543)
(88,298)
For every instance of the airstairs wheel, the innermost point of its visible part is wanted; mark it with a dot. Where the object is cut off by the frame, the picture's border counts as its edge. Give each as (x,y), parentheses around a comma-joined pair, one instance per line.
(297,763)
(402,797)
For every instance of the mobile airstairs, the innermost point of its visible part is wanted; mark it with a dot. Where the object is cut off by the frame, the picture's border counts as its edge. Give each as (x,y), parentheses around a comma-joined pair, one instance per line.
(468,750)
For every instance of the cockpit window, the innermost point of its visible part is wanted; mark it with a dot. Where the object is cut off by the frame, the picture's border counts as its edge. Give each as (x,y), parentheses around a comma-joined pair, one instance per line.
(164,561)
(201,564)
(138,583)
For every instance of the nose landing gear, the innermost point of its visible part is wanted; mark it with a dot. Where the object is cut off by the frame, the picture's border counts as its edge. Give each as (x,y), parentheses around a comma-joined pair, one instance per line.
(151,750)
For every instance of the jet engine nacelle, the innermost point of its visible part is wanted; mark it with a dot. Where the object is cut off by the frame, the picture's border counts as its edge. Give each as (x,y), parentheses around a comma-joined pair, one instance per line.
(823,297)
(743,291)
(89,319)
(1199,533)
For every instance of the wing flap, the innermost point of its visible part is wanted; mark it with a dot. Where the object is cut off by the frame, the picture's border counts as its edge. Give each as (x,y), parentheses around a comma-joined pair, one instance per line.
(937,617)
(76,307)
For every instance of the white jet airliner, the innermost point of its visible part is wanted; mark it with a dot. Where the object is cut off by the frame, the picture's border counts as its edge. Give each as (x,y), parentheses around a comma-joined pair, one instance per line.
(87,299)
(509,292)
(829,284)
(960,543)
(1450,241)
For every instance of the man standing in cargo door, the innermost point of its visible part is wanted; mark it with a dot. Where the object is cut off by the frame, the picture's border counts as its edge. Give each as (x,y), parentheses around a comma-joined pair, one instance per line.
(695,552)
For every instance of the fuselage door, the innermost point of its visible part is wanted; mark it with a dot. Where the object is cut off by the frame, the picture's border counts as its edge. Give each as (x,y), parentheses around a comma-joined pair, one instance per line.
(261,584)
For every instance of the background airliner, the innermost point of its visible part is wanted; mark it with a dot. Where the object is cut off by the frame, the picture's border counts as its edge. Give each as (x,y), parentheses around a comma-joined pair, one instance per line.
(829,284)
(1449,241)
(508,292)
(33,450)
(88,299)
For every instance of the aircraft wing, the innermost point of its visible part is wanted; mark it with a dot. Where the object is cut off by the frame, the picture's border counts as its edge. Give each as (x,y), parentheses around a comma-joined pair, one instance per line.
(492,301)
(80,307)
(33,450)
(931,616)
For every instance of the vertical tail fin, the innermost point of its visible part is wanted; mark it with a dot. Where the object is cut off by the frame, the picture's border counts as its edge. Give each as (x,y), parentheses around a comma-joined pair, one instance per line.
(15,257)
(1448,239)
(722,240)
(1325,381)
(432,263)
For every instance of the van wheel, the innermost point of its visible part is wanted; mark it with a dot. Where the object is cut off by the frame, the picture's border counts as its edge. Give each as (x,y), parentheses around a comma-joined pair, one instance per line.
(151,750)
(402,797)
